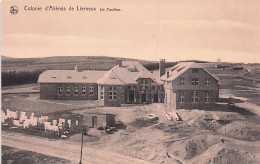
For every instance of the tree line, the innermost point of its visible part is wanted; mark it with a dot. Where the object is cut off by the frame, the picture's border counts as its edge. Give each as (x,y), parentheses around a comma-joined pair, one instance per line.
(13,77)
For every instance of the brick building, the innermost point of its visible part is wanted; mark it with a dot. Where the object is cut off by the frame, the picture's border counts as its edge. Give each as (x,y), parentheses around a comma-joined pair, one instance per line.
(127,82)
(69,84)
(188,85)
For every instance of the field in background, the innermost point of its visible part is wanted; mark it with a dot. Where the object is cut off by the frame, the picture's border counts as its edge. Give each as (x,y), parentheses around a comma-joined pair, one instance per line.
(64,63)
(240,83)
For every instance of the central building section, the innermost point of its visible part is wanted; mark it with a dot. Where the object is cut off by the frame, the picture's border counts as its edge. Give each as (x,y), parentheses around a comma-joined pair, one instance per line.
(129,82)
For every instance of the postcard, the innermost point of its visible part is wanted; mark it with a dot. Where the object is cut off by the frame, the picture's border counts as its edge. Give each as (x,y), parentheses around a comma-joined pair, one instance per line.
(131,81)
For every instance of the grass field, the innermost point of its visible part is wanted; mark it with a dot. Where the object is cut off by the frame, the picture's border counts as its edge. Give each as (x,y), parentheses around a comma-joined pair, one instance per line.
(15,156)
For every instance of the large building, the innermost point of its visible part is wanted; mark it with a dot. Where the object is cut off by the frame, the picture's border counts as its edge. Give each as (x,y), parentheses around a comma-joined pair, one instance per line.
(189,86)
(127,82)
(186,85)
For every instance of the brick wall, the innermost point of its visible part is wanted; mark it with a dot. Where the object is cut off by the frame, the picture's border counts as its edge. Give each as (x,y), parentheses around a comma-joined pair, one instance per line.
(50,91)
(187,89)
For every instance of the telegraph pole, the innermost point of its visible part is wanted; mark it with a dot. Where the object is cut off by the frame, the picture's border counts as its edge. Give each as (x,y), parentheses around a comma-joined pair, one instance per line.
(80,162)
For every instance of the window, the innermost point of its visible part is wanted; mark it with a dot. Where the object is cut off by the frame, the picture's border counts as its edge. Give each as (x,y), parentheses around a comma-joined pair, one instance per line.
(134,87)
(84,90)
(181,81)
(195,96)
(146,87)
(129,87)
(158,87)
(153,87)
(195,70)
(207,81)
(102,93)
(194,81)
(181,97)
(60,90)
(167,82)
(112,92)
(91,90)
(76,90)
(207,98)
(68,90)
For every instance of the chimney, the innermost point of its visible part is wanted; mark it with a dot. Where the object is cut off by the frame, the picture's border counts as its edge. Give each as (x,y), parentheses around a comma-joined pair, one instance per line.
(162,67)
(168,74)
(119,62)
(76,68)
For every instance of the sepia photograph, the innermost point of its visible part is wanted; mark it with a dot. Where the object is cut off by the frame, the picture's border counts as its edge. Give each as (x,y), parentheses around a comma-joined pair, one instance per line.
(130,82)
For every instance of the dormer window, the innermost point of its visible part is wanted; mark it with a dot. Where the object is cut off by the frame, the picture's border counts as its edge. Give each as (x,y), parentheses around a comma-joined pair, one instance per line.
(69,77)
(84,77)
(54,77)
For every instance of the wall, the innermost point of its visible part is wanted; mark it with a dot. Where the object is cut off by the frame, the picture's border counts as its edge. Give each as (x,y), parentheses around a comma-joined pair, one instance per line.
(48,91)
(102,120)
(187,104)
(187,88)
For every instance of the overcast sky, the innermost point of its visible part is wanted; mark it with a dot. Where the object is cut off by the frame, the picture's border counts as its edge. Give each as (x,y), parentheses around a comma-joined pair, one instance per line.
(170,29)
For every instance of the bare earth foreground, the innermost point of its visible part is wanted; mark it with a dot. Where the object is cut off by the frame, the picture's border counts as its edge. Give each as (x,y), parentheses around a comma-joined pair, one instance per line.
(219,136)
(63,149)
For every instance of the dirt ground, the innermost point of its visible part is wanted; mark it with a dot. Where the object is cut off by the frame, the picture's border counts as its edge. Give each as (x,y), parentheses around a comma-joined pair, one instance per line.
(11,155)
(219,136)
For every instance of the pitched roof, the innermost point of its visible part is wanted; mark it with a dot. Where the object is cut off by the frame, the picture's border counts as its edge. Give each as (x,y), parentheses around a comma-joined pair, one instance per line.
(110,78)
(70,76)
(180,68)
(128,73)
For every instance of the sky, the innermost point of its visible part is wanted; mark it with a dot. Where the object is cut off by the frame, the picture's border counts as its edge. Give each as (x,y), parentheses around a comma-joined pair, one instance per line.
(171,29)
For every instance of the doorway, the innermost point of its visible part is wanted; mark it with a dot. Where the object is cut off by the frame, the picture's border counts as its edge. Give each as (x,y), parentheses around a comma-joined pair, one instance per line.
(155,98)
(94,122)
(131,97)
(143,97)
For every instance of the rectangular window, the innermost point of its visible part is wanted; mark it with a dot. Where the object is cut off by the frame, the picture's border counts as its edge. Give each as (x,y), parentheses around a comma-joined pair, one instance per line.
(158,87)
(91,90)
(102,93)
(76,90)
(146,87)
(112,92)
(68,90)
(195,70)
(195,96)
(60,90)
(207,81)
(207,97)
(84,90)
(129,87)
(153,87)
(181,97)
(195,81)
(134,87)
(181,81)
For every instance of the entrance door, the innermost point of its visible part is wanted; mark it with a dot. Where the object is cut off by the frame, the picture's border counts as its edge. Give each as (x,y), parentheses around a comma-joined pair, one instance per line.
(144,97)
(94,121)
(131,97)
(155,97)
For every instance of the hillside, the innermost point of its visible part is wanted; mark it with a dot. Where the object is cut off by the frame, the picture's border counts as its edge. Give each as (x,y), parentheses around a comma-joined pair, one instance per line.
(61,62)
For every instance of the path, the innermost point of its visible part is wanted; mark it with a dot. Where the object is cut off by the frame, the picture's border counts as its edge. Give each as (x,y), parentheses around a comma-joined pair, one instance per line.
(64,149)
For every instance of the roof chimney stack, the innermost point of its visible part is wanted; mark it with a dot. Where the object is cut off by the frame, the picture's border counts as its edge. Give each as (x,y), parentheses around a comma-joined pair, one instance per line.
(162,67)
(119,62)
(76,68)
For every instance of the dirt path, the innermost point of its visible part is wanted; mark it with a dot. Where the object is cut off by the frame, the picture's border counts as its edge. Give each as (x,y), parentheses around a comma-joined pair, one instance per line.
(64,149)
(250,107)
